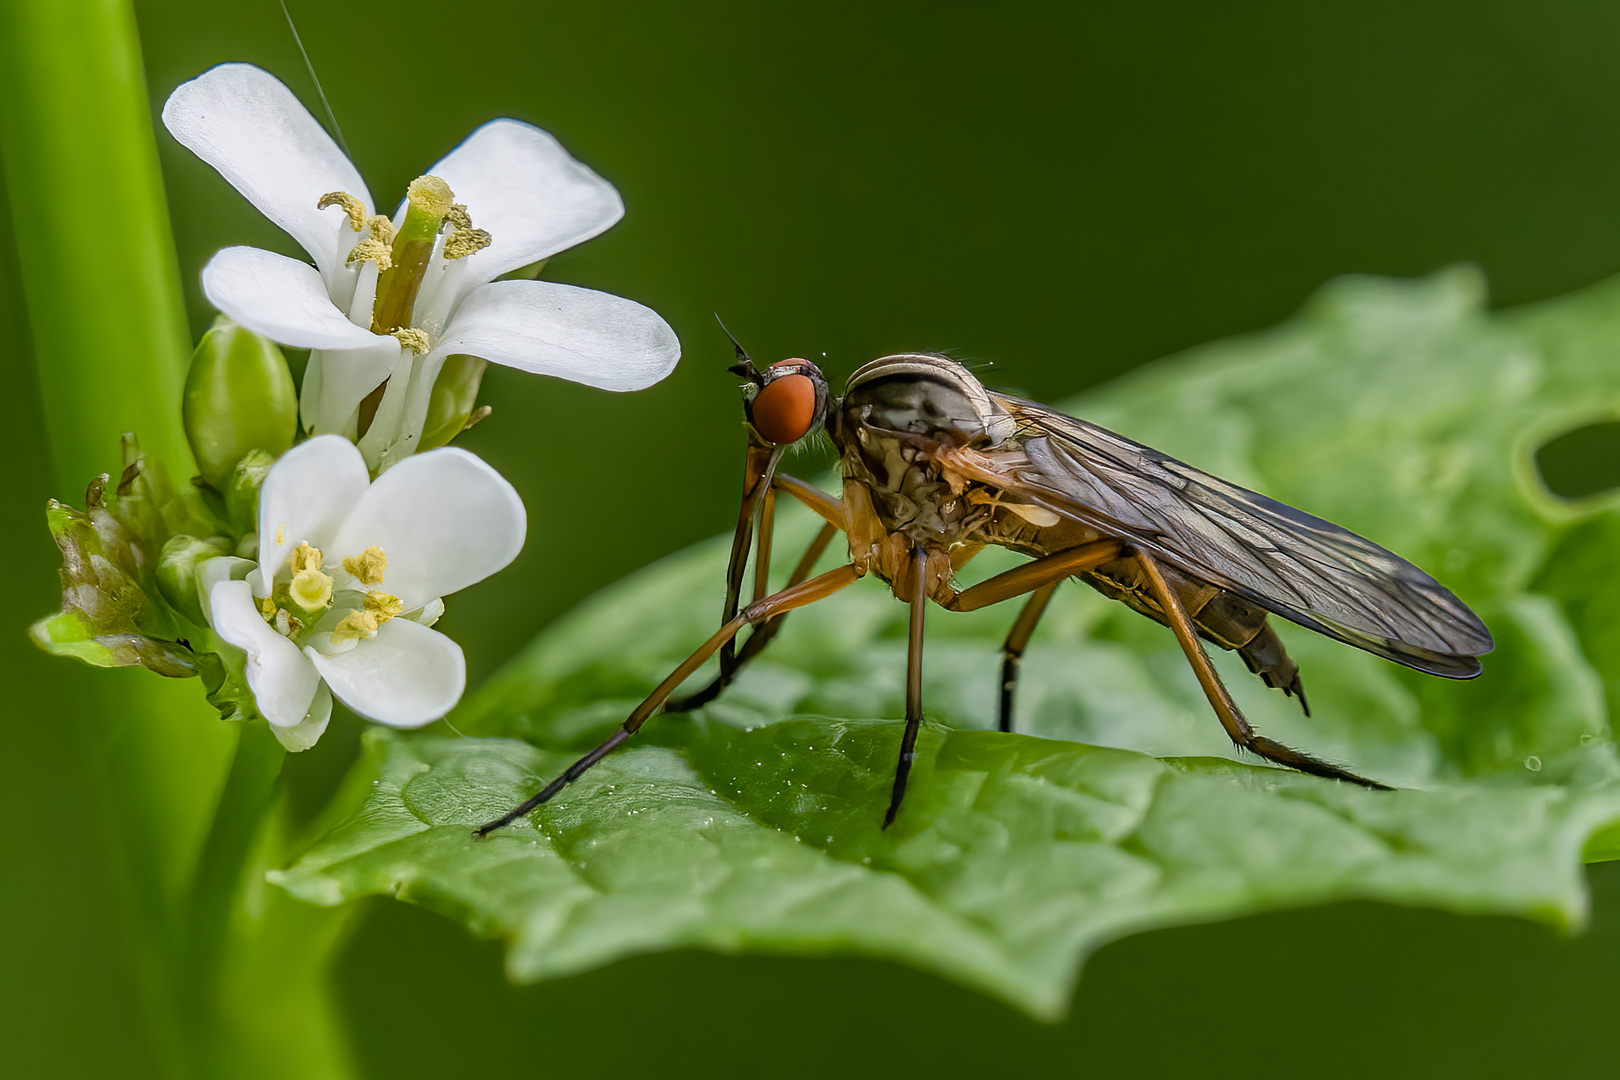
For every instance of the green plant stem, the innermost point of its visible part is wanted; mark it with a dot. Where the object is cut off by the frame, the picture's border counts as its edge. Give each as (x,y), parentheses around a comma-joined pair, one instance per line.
(93,235)
(185,830)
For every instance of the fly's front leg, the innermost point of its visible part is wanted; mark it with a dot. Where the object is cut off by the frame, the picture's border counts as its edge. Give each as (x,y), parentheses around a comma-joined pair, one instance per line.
(753,615)
(1226,710)
(831,510)
(761,636)
(759,468)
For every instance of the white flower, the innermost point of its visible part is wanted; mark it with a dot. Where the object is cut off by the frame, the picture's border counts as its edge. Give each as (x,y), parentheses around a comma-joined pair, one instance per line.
(349,580)
(507,197)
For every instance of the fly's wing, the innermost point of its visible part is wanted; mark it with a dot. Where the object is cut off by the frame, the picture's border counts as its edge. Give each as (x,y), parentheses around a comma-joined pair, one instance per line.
(1305,569)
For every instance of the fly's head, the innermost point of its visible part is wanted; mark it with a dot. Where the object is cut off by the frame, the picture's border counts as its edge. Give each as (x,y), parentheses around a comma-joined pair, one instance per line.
(784,402)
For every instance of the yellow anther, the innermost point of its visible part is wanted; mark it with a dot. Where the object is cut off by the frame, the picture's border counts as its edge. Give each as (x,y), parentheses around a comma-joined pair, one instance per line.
(310,590)
(457,217)
(351,206)
(267,608)
(463,242)
(381,228)
(281,534)
(382,605)
(306,557)
(430,195)
(368,566)
(356,625)
(377,248)
(413,339)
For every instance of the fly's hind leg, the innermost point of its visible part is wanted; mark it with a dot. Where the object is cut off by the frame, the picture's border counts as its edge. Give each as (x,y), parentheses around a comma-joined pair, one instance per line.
(1226,710)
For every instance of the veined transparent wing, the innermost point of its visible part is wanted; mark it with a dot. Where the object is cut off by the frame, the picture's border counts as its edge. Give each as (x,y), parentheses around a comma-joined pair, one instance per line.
(1303,568)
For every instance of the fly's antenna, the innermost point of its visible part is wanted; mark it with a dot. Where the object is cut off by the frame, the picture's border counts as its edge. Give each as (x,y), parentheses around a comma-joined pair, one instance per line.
(744,367)
(316,79)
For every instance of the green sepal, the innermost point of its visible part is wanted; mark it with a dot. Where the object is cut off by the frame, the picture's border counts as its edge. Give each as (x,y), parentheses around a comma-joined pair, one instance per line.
(239,397)
(455,395)
(224,679)
(242,491)
(70,633)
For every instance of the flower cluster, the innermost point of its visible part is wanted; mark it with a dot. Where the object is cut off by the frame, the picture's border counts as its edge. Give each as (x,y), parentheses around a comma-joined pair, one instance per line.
(310,557)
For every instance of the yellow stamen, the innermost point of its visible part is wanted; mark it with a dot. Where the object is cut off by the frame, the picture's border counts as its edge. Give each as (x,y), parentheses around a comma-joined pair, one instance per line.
(457,217)
(356,625)
(306,557)
(267,608)
(382,605)
(463,242)
(368,566)
(412,339)
(377,247)
(351,206)
(281,533)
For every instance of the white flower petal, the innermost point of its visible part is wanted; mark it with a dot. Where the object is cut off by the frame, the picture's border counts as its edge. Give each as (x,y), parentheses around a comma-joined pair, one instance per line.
(527,192)
(385,430)
(306,495)
(211,572)
(336,383)
(283,681)
(383,447)
(304,734)
(249,127)
(281,298)
(444,520)
(576,334)
(406,676)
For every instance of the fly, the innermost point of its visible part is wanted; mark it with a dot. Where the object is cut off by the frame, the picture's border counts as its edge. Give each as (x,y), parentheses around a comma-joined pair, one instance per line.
(935,467)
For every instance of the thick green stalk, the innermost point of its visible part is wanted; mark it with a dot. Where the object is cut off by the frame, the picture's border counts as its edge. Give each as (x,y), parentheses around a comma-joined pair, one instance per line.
(93,236)
(101,282)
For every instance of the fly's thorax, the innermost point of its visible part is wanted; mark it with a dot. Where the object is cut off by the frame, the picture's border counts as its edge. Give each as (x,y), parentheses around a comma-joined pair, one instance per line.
(923,394)
(893,421)
(908,491)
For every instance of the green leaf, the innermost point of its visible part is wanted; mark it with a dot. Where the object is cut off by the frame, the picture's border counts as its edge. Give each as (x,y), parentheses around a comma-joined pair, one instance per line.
(1403,410)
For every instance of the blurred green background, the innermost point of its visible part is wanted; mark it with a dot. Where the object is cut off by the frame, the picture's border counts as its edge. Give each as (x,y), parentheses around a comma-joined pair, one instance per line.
(1066,191)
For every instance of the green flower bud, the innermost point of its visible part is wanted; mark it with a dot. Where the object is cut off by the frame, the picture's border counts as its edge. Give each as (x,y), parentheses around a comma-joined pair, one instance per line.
(242,491)
(177,571)
(455,393)
(239,397)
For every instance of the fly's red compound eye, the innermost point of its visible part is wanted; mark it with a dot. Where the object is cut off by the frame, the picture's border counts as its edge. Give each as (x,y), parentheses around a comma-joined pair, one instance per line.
(784,408)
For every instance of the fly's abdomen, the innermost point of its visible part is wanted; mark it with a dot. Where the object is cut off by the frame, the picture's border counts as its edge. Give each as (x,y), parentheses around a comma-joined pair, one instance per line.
(1221,618)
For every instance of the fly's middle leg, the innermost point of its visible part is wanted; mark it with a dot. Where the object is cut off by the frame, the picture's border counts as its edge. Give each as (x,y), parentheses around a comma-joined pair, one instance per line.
(1012,649)
(914,651)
